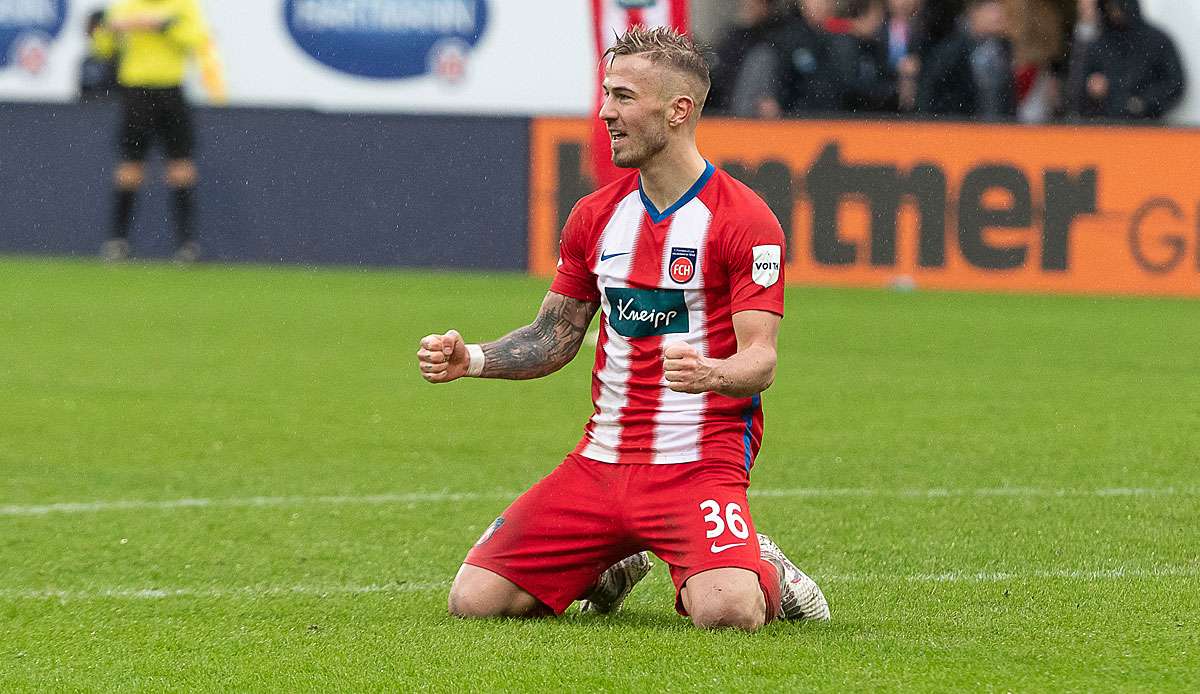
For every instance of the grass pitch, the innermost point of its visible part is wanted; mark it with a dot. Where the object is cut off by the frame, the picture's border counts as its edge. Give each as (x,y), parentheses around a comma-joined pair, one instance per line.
(233,479)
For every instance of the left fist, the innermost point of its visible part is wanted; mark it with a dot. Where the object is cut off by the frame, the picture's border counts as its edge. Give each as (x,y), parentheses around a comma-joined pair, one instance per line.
(686,371)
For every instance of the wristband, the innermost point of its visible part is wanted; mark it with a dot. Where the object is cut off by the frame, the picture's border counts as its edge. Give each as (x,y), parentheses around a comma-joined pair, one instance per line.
(475,352)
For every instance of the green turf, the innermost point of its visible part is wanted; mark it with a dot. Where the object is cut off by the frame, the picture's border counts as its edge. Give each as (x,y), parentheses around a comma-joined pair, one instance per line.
(998,493)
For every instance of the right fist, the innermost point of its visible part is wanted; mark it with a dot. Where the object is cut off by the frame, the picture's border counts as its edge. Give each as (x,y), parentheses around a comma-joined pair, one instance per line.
(443,358)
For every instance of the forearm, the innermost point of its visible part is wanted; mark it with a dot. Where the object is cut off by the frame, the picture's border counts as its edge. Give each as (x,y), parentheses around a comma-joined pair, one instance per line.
(745,374)
(542,347)
(526,353)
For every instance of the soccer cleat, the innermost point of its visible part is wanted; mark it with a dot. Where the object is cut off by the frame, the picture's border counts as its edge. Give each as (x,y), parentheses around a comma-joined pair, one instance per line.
(615,584)
(800,597)
(114,250)
(188,253)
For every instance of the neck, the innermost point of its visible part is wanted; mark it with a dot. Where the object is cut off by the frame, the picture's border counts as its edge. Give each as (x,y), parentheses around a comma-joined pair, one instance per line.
(671,173)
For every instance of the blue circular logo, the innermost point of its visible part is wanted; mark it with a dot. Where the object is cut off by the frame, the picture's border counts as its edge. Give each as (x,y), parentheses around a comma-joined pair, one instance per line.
(386,39)
(26,29)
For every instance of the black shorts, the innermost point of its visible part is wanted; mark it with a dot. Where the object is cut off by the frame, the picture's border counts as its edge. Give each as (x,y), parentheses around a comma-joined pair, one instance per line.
(151,113)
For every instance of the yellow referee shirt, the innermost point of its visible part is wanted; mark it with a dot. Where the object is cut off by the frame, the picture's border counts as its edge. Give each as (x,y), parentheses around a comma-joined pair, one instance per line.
(151,58)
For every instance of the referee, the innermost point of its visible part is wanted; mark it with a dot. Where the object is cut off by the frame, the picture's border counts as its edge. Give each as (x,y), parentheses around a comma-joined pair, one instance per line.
(153,41)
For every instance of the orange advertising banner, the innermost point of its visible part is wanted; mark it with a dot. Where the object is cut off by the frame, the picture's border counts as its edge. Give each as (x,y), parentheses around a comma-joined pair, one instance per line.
(1085,210)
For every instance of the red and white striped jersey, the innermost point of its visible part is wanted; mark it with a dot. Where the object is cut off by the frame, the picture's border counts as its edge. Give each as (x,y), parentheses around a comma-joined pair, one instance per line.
(662,277)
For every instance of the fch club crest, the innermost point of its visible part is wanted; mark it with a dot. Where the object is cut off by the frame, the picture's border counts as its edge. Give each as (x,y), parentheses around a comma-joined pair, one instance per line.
(683,265)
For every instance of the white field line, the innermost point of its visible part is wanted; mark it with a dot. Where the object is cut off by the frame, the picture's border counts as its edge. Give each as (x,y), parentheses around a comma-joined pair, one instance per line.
(259,592)
(65,595)
(1115,574)
(450,497)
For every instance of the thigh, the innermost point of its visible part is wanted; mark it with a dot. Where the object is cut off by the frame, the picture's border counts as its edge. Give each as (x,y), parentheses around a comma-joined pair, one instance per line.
(696,518)
(557,538)
(137,124)
(481,593)
(174,125)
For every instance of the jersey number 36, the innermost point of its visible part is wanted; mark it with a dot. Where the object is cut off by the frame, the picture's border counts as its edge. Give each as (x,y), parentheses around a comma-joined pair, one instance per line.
(733,520)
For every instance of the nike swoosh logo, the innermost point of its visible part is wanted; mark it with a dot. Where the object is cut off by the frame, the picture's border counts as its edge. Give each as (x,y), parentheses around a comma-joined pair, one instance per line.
(610,256)
(717,549)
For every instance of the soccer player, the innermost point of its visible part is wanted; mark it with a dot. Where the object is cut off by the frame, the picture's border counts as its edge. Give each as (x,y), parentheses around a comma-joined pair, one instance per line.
(153,41)
(686,266)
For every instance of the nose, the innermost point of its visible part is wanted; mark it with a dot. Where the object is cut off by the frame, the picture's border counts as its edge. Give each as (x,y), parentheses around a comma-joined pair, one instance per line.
(607,113)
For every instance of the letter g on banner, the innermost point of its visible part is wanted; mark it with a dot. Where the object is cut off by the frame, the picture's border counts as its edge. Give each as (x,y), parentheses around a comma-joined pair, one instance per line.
(388,39)
(27,28)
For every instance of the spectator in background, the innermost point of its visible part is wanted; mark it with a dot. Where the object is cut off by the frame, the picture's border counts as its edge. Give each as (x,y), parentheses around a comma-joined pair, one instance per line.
(860,58)
(730,93)
(970,74)
(1038,44)
(1132,69)
(904,36)
(1085,33)
(804,81)
(97,73)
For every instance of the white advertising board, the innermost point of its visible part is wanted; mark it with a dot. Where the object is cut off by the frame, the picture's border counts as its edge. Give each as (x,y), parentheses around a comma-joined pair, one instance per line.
(1181,19)
(518,57)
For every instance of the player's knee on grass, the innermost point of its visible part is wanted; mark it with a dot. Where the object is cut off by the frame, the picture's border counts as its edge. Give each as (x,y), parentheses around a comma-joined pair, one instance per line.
(478,593)
(726,599)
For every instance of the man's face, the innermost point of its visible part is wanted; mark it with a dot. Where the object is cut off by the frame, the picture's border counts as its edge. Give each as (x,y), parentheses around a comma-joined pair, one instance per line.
(817,12)
(1116,13)
(989,19)
(867,25)
(635,110)
(903,9)
(751,12)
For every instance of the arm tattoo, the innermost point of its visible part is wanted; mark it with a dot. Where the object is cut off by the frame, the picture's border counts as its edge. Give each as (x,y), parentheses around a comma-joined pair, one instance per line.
(544,346)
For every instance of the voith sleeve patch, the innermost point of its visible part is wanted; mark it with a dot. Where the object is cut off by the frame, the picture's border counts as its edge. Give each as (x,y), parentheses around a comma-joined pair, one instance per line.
(766,264)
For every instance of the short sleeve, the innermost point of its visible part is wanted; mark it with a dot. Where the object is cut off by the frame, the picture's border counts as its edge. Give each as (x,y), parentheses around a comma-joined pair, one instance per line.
(573,277)
(754,254)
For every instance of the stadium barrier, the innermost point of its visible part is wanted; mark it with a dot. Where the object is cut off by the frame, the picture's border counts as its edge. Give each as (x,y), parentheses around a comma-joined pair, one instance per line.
(1091,210)
(1047,209)
(281,186)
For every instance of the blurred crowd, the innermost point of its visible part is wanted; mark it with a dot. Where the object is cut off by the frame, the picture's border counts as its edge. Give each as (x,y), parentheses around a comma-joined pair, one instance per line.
(991,60)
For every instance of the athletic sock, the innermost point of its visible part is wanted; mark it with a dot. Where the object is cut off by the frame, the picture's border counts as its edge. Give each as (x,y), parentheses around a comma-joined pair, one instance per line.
(768,581)
(123,212)
(184,201)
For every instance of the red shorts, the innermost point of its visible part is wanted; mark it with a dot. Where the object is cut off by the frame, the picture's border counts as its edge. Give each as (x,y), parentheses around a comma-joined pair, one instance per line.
(558,537)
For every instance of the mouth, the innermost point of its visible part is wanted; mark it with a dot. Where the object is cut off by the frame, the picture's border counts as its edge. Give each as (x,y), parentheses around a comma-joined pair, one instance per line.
(616,135)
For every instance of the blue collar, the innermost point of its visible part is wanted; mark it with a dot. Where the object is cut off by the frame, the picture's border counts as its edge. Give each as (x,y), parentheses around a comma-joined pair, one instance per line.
(691,193)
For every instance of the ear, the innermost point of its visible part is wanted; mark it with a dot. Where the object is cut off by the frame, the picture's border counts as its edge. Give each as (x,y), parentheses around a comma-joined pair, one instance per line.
(680,110)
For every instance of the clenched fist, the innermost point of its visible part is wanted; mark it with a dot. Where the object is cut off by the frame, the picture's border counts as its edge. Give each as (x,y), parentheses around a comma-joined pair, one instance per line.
(443,358)
(686,371)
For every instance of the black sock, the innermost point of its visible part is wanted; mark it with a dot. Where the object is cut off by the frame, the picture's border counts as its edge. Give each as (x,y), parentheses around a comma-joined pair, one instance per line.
(184,199)
(123,212)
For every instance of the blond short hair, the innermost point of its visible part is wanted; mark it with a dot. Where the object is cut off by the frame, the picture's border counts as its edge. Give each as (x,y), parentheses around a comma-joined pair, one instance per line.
(665,47)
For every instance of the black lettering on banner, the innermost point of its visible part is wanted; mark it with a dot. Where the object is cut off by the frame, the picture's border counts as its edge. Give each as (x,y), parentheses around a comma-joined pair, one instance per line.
(974,218)
(1067,197)
(1176,243)
(830,180)
(927,183)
